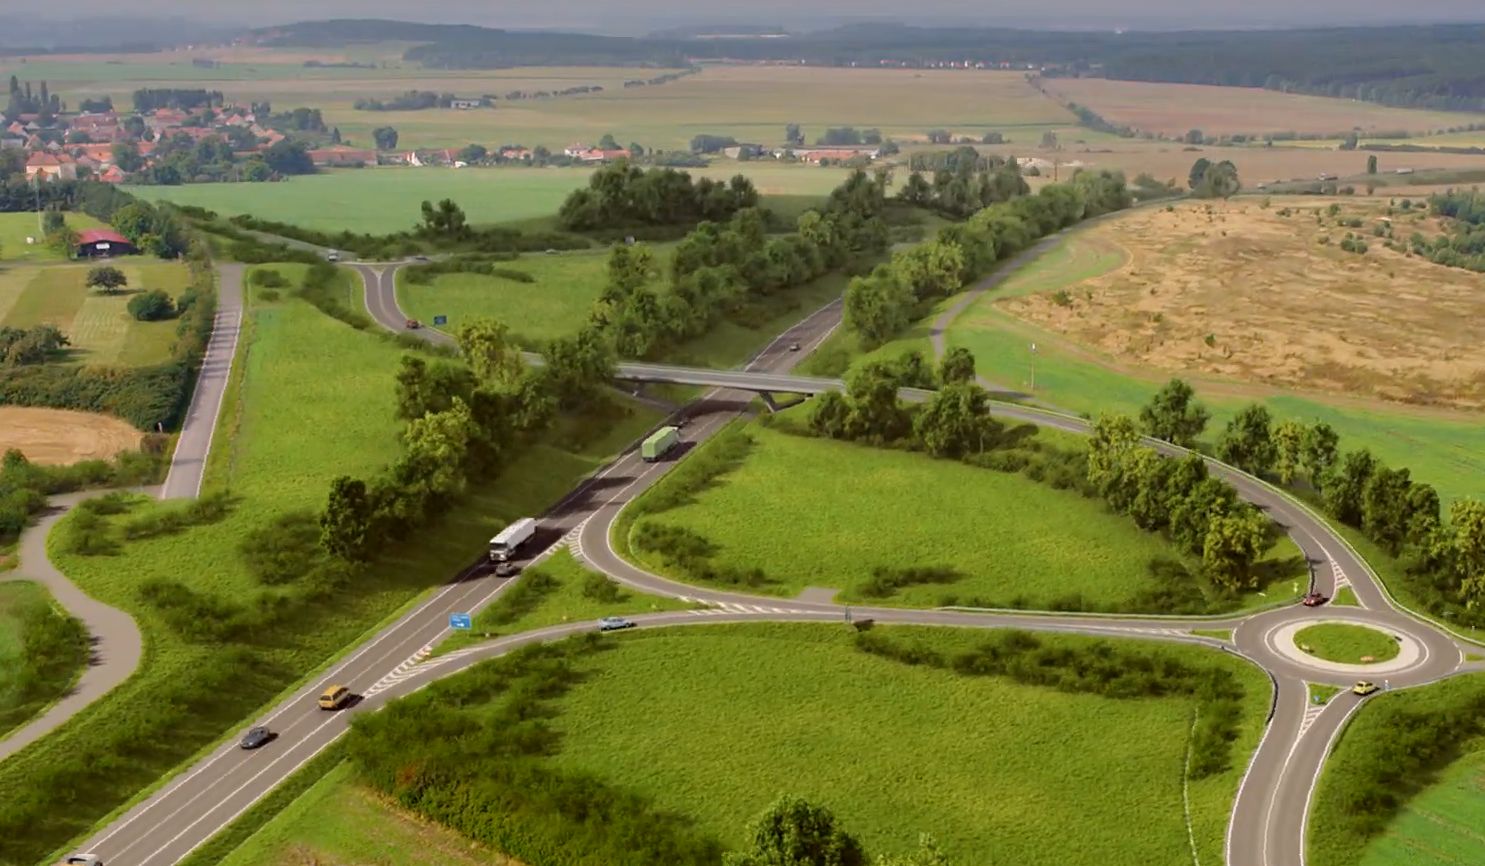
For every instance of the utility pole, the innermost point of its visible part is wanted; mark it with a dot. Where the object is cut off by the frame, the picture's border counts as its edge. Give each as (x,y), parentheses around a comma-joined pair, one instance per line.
(1033,368)
(36,188)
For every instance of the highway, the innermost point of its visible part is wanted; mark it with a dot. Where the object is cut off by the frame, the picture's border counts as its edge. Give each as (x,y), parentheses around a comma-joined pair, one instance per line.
(1268,820)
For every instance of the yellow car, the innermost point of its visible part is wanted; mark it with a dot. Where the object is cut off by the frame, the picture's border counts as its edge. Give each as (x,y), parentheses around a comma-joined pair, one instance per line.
(335,697)
(1364,688)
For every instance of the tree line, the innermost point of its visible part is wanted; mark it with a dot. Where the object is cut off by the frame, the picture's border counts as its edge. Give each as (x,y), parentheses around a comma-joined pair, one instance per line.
(880,305)
(1443,562)
(964,182)
(720,267)
(622,194)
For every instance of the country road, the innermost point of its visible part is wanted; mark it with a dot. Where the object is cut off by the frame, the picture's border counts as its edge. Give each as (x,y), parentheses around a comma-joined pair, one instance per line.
(1267,824)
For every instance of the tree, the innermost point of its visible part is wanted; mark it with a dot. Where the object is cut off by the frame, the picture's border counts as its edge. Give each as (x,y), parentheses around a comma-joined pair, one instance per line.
(876,413)
(126,156)
(1385,507)
(445,221)
(385,137)
(608,142)
(473,153)
(1233,543)
(1220,180)
(794,832)
(878,306)
(289,157)
(1423,513)
(1371,164)
(1049,141)
(1198,172)
(1150,477)
(107,278)
(487,347)
(346,521)
(956,421)
(1321,442)
(957,366)
(422,388)
(1465,540)
(436,446)
(1195,136)
(1111,449)
(928,854)
(152,306)
(1289,444)
(1345,486)
(930,270)
(1173,416)
(577,367)
(793,135)
(830,415)
(1248,442)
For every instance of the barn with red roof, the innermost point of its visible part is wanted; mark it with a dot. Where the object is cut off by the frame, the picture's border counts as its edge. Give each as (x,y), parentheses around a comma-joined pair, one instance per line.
(95,243)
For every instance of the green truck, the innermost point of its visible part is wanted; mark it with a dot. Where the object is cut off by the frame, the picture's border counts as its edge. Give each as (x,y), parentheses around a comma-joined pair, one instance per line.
(659,444)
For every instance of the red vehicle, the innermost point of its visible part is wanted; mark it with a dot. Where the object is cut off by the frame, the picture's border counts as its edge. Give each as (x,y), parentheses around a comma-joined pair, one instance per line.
(413,324)
(1314,599)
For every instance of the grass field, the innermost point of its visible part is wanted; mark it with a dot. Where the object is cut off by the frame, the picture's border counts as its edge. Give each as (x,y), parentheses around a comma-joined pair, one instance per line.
(22,605)
(556,305)
(314,399)
(16,227)
(1446,449)
(724,738)
(1174,109)
(60,437)
(1348,644)
(1440,823)
(1004,540)
(388,199)
(99,326)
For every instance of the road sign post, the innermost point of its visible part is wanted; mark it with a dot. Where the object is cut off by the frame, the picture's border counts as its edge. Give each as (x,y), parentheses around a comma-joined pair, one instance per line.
(461,621)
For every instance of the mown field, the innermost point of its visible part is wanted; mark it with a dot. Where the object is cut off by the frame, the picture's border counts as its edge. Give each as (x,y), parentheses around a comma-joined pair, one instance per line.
(735,715)
(1174,109)
(556,304)
(1439,825)
(1443,449)
(41,652)
(313,399)
(99,326)
(999,539)
(389,199)
(16,227)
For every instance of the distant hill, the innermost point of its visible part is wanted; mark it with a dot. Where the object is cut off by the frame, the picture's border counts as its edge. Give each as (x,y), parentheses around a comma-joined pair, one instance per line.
(1440,67)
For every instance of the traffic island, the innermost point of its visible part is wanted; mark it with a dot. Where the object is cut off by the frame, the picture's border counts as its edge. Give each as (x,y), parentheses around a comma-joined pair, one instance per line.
(1347,644)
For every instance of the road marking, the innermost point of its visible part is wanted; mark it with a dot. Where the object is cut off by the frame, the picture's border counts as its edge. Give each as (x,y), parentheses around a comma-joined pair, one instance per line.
(1186,787)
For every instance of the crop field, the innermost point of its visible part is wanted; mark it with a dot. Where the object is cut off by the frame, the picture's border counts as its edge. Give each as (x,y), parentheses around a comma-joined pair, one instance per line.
(60,437)
(99,326)
(556,305)
(1006,541)
(16,227)
(1175,108)
(1440,823)
(389,199)
(1235,290)
(1348,644)
(1444,448)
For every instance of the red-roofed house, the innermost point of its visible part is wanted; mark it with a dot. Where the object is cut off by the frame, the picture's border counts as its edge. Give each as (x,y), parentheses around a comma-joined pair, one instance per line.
(342,156)
(113,174)
(92,243)
(596,155)
(49,165)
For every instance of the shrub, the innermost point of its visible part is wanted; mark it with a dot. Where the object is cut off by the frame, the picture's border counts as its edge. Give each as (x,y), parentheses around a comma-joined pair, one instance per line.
(600,589)
(522,598)
(152,306)
(269,278)
(284,550)
(887,581)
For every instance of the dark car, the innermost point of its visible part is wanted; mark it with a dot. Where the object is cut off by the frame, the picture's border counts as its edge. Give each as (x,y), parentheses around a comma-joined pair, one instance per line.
(413,324)
(614,623)
(507,569)
(1314,599)
(420,258)
(256,737)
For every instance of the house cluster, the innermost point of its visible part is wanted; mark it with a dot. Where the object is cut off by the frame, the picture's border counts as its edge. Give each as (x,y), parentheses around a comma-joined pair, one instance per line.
(67,147)
(808,155)
(589,153)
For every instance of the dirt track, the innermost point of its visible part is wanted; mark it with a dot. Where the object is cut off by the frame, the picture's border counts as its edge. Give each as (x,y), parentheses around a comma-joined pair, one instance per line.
(59,436)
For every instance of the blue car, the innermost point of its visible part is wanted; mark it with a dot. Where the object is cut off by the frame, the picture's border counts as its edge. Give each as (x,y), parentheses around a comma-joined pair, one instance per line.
(614,623)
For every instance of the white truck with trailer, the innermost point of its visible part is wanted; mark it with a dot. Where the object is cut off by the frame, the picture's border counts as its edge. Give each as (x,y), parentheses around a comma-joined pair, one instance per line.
(504,545)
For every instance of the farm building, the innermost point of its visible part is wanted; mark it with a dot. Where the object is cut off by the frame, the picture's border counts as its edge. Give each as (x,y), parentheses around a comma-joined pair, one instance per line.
(95,243)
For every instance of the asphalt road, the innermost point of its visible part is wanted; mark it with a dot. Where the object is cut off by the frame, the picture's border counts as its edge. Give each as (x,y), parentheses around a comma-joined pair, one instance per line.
(188,464)
(1267,825)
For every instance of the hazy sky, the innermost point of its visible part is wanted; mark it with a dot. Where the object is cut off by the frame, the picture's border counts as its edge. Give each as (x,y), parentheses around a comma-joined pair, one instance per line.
(642,15)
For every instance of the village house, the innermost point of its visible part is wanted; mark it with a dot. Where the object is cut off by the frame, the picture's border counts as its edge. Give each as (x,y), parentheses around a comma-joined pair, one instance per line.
(113,174)
(341,156)
(94,243)
(48,166)
(816,156)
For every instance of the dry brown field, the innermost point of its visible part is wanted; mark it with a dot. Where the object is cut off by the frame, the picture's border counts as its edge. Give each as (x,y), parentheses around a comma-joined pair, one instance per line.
(1237,290)
(1174,109)
(59,437)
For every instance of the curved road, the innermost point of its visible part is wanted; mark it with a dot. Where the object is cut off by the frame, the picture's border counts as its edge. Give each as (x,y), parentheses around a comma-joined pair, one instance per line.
(1267,824)
(116,641)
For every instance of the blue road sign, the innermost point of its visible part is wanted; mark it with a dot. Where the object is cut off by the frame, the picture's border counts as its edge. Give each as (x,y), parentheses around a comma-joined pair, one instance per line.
(460,620)
(440,320)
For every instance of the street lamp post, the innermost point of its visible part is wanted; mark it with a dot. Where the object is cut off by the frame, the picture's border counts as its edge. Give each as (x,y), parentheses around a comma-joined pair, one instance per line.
(1033,368)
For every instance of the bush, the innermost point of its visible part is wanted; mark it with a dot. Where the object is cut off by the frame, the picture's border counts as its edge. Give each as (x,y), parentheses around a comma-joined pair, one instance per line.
(600,589)
(887,581)
(691,555)
(269,278)
(152,306)
(284,550)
